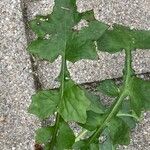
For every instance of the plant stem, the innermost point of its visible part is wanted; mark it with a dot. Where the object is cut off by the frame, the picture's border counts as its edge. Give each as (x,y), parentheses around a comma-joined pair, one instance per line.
(110,115)
(58,117)
(123,94)
(128,67)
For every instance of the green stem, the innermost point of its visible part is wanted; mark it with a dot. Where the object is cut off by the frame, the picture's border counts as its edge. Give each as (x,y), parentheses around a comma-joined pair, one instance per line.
(123,94)
(55,132)
(107,119)
(58,117)
(128,66)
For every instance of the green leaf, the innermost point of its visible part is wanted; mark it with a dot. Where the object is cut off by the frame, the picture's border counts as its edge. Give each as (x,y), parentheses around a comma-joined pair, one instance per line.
(142,39)
(94,146)
(47,147)
(145,92)
(82,145)
(56,34)
(119,131)
(48,49)
(135,97)
(43,135)
(121,37)
(93,121)
(95,106)
(125,107)
(109,88)
(81,45)
(93,32)
(140,95)
(127,115)
(88,15)
(74,104)
(130,121)
(107,144)
(65,15)
(42,25)
(136,104)
(44,103)
(76,50)
(115,40)
(65,138)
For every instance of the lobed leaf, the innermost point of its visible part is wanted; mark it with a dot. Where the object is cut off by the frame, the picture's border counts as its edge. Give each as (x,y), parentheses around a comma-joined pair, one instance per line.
(93,32)
(95,106)
(82,145)
(88,15)
(109,88)
(43,135)
(48,49)
(75,50)
(130,121)
(142,39)
(121,37)
(93,121)
(56,35)
(65,138)
(74,104)
(119,131)
(42,25)
(126,114)
(107,143)
(44,103)
(139,95)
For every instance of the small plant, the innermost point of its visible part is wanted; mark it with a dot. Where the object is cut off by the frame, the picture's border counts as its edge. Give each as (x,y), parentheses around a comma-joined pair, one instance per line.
(103,128)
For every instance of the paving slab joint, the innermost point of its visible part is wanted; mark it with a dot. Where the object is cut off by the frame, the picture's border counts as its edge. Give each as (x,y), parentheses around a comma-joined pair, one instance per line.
(34,65)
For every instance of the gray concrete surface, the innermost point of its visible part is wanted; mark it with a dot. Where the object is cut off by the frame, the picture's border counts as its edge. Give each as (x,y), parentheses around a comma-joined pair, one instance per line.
(16,82)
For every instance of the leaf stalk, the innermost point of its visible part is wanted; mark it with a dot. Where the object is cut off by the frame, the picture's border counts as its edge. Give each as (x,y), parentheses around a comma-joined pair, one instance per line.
(112,112)
(58,117)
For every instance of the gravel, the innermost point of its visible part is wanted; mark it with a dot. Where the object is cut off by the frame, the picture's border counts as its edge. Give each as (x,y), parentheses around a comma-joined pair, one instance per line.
(16,82)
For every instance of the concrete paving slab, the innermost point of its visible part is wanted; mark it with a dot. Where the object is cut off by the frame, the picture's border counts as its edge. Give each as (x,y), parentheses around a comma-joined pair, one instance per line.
(16,82)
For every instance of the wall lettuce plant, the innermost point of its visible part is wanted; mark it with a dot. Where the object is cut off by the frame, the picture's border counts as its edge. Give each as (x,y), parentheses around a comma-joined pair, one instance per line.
(56,36)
